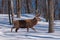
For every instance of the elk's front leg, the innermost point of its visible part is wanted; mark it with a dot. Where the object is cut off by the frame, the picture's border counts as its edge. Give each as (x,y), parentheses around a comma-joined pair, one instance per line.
(12,28)
(27,29)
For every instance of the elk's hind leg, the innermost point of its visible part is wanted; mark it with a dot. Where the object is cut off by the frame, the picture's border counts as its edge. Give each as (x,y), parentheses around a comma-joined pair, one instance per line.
(34,29)
(12,28)
(16,29)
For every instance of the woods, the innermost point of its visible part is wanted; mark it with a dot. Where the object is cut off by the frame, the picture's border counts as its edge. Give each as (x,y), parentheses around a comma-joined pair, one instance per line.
(46,8)
(29,19)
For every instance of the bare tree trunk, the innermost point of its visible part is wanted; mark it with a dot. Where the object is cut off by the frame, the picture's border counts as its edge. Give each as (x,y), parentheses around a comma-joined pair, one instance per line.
(55,7)
(59,14)
(40,6)
(12,10)
(18,2)
(3,1)
(46,10)
(27,5)
(9,10)
(30,6)
(36,9)
(36,1)
(51,15)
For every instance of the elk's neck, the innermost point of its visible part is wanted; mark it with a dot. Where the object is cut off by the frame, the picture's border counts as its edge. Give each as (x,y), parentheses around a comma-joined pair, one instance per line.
(34,21)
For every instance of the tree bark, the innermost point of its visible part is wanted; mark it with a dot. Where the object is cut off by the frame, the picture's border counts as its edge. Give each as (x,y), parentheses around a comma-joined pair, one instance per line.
(3,1)
(46,11)
(36,9)
(55,8)
(12,10)
(18,3)
(9,11)
(30,6)
(36,1)
(27,5)
(51,16)
(59,14)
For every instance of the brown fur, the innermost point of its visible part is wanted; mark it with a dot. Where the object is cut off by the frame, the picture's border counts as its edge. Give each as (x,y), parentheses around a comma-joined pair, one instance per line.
(28,23)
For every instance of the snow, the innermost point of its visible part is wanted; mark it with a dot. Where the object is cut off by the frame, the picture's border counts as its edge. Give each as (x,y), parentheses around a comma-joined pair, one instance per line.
(22,34)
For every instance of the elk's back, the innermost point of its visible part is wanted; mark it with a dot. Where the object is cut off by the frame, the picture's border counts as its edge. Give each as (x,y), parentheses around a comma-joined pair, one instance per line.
(22,23)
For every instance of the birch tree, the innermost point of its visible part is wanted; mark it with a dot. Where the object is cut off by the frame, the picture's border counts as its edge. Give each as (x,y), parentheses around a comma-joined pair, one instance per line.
(12,10)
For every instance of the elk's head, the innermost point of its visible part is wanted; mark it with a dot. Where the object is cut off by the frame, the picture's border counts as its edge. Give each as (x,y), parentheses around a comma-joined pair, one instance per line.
(37,17)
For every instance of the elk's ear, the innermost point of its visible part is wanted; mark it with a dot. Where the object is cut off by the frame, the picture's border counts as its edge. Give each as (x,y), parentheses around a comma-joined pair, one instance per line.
(37,15)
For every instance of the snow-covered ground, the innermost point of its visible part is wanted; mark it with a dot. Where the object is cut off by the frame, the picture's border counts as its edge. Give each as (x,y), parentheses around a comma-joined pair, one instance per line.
(22,34)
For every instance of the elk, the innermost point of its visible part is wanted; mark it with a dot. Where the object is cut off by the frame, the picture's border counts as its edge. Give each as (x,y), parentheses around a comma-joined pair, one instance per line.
(27,23)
